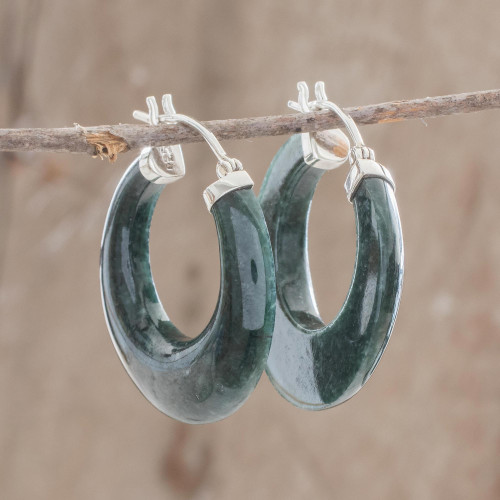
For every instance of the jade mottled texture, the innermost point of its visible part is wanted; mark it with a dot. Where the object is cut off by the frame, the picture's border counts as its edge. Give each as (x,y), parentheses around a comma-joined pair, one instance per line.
(209,377)
(312,364)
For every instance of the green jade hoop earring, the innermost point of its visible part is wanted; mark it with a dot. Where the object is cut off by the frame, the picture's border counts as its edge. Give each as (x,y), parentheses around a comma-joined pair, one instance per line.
(313,365)
(209,377)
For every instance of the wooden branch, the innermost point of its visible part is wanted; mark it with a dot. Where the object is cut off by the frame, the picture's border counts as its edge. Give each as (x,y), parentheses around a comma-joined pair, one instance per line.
(109,140)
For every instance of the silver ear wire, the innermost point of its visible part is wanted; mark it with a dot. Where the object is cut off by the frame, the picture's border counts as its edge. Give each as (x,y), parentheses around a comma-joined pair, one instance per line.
(361,158)
(225,164)
(164,164)
(315,153)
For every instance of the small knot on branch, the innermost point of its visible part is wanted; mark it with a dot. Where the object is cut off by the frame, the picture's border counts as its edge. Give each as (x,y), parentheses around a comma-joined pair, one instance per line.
(107,145)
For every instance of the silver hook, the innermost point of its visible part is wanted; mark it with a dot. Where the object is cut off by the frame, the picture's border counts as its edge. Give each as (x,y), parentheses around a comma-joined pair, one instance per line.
(361,158)
(225,164)
(315,153)
(303,105)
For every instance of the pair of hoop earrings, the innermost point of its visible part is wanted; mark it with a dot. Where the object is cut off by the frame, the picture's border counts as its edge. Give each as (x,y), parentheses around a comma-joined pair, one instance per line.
(266,315)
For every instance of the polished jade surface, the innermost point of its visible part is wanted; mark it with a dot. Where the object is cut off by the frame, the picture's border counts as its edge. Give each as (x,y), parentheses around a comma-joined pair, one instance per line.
(209,377)
(312,364)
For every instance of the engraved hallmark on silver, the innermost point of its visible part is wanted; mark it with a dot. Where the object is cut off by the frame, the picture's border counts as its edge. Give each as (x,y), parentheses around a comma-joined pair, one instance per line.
(162,165)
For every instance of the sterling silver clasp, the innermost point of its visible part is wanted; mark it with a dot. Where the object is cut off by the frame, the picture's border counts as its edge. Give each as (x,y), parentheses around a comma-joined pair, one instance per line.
(316,154)
(361,158)
(172,155)
(165,164)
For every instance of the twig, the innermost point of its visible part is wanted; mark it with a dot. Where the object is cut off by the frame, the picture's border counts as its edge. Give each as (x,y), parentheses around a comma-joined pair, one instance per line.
(132,136)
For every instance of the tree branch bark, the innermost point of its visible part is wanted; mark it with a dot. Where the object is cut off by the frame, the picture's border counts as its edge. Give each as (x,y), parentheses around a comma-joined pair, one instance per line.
(109,140)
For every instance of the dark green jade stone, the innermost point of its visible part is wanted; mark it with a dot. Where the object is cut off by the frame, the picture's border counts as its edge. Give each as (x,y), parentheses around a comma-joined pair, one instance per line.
(312,364)
(209,377)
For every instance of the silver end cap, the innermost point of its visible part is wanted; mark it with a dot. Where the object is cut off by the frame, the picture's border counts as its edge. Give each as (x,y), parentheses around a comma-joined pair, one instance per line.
(233,181)
(362,169)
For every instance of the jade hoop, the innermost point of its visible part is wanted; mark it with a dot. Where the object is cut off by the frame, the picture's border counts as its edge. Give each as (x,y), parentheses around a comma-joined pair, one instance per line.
(312,364)
(209,377)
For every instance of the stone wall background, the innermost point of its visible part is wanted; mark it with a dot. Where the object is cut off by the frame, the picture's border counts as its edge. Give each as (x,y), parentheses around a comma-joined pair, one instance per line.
(72,425)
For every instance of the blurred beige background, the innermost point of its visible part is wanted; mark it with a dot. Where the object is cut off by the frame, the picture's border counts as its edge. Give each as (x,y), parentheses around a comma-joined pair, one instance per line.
(72,425)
